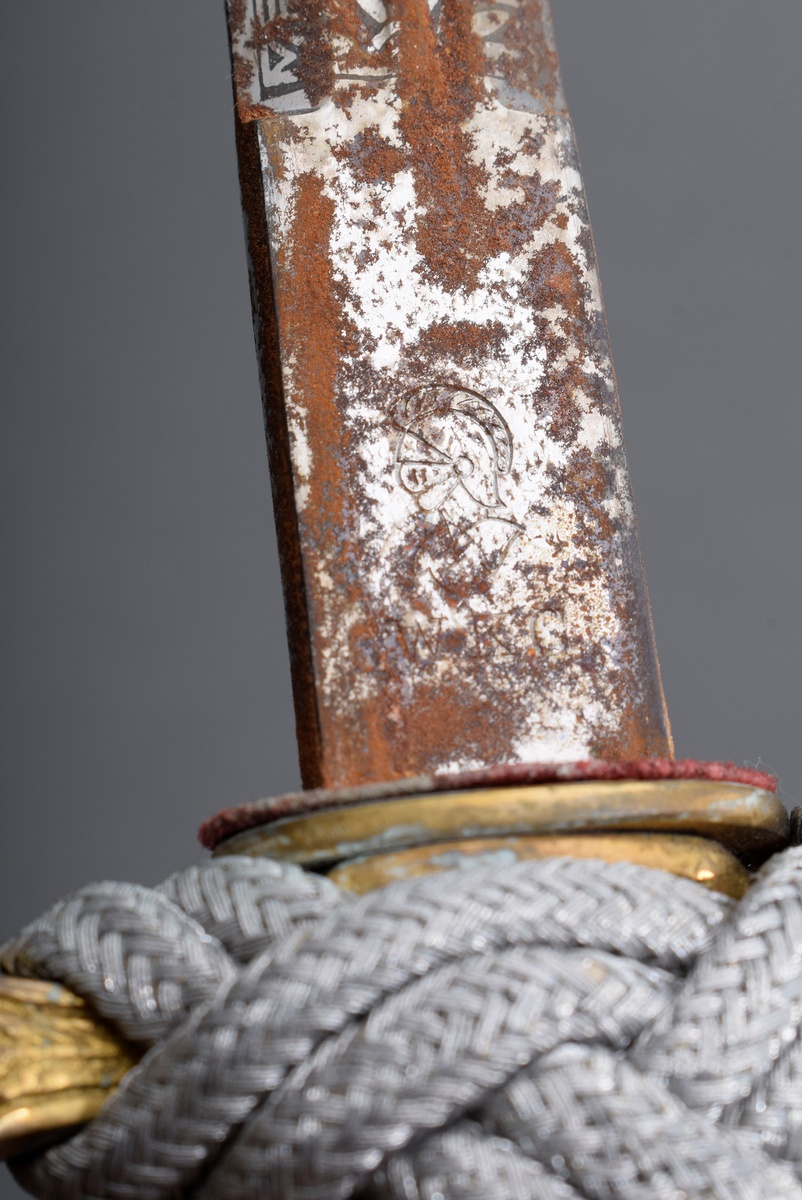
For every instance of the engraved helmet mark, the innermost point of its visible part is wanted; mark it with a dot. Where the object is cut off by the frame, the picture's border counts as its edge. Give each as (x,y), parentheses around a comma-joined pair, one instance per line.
(453,443)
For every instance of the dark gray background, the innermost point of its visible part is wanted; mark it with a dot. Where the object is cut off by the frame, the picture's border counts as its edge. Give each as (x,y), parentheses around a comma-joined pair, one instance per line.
(145,676)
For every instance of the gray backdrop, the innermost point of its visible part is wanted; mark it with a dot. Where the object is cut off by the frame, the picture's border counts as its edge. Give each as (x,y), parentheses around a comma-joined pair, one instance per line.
(145,677)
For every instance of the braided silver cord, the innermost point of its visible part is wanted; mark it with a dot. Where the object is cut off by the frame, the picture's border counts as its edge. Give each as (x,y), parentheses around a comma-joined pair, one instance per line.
(248,904)
(464,1162)
(141,960)
(773,1109)
(619,1134)
(438,1049)
(742,1003)
(146,958)
(315,983)
(345,1058)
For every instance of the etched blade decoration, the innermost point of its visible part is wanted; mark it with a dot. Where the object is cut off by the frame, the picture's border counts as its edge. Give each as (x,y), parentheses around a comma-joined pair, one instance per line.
(462,572)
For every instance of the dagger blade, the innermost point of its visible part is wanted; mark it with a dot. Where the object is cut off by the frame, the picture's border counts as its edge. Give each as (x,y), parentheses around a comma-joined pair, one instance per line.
(463,580)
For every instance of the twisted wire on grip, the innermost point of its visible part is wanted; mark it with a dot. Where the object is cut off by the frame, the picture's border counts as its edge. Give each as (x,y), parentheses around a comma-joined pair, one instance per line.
(569,1028)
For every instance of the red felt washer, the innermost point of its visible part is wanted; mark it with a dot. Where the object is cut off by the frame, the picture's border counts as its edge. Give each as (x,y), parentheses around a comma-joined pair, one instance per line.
(262,812)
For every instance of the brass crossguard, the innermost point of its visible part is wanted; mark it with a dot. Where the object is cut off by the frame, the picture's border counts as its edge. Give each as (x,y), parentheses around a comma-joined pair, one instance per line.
(58,1062)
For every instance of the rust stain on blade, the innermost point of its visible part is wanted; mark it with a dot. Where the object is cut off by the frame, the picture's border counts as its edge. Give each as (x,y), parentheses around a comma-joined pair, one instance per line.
(462,571)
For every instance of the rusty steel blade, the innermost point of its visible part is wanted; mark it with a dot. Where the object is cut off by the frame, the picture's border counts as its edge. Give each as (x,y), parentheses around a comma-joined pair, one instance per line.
(462,573)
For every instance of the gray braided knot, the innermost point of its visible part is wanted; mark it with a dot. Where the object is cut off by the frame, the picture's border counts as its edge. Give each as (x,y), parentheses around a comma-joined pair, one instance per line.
(564,1028)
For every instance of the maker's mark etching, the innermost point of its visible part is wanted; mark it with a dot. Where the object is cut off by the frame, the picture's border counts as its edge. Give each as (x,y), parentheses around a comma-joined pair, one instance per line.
(453,442)
(453,452)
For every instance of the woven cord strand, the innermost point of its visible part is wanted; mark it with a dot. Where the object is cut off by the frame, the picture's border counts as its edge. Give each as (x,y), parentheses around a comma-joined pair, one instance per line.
(222,1064)
(569,1029)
